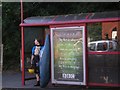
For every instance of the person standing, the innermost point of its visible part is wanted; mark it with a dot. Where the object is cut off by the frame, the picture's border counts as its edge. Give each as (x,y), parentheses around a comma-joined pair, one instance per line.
(35,60)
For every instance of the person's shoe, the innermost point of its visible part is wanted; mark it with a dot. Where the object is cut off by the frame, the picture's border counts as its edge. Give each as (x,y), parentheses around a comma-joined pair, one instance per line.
(38,83)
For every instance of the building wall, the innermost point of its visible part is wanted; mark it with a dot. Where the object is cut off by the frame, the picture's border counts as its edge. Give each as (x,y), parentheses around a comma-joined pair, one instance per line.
(107,28)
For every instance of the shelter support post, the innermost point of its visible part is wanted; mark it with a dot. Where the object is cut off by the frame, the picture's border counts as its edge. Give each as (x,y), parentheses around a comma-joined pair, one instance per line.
(23,70)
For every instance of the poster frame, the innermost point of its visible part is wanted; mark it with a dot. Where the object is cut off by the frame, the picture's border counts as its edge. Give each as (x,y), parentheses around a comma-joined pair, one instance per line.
(53,80)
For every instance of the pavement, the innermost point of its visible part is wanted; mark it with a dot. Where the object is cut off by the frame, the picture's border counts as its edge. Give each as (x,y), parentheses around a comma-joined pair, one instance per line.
(12,80)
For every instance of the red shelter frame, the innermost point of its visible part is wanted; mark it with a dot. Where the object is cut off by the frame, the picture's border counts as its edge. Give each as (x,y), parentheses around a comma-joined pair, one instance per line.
(64,24)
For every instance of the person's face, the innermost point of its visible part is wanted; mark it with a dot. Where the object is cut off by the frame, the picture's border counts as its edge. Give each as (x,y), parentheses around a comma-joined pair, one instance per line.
(36,42)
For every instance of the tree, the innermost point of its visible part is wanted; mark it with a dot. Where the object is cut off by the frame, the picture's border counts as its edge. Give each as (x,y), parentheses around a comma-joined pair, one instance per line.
(94,31)
(11,21)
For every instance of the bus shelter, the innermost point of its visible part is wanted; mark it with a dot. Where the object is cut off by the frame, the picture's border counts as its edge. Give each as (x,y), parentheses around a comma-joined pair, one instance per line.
(74,58)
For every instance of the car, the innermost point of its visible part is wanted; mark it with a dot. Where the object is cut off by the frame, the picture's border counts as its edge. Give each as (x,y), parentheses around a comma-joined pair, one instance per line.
(102,45)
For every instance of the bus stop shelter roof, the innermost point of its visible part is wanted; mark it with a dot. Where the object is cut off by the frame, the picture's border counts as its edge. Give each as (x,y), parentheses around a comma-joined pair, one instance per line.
(72,18)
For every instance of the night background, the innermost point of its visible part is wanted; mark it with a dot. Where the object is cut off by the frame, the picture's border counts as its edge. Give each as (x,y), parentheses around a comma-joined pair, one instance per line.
(11,19)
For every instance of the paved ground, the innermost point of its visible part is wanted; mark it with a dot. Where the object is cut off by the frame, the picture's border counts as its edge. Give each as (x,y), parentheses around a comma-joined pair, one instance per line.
(12,80)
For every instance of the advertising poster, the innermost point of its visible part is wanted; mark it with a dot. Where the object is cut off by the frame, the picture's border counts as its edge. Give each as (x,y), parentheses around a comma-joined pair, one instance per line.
(68,55)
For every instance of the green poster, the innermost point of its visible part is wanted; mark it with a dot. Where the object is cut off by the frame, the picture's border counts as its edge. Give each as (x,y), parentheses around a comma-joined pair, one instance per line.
(68,49)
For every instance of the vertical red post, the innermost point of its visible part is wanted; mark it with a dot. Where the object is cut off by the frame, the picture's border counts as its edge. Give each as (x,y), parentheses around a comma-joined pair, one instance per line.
(22,40)
(23,70)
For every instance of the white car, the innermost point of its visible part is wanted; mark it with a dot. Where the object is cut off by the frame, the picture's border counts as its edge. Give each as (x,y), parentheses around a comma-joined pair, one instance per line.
(102,45)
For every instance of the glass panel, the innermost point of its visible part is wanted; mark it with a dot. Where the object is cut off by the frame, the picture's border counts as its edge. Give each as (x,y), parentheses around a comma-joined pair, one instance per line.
(94,32)
(111,46)
(71,17)
(30,34)
(92,47)
(102,46)
(103,64)
(101,15)
(35,20)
